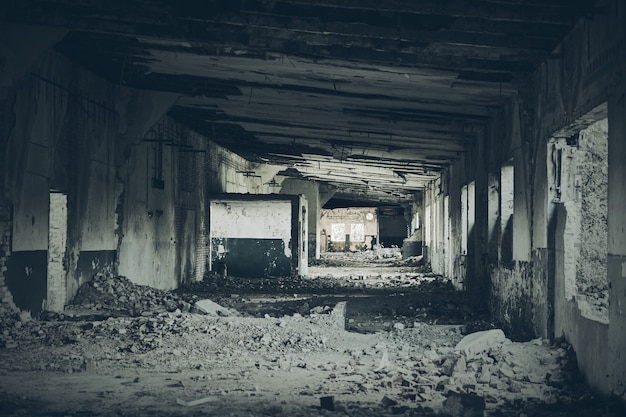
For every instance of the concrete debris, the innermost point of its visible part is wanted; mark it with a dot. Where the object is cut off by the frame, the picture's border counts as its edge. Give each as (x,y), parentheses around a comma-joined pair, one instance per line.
(420,367)
(464,405)
(216,284)
(388,402)
(476,343)
(398,326)
(213,309)
(282,363)
(117,295)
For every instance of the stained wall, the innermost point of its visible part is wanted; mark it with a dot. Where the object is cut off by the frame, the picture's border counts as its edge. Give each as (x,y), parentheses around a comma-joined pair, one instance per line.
(530,250)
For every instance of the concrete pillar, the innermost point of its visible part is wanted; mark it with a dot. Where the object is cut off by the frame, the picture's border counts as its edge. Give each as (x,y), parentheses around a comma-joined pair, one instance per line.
(311,190)
(617,240)
(57,244)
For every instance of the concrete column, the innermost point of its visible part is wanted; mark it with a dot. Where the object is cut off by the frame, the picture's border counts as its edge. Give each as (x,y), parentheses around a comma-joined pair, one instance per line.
(311,190)
(617,240)
(57,243)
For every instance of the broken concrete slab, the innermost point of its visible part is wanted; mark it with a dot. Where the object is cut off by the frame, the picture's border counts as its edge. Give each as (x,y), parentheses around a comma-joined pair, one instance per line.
(213,309)
(476,343)
(388,402)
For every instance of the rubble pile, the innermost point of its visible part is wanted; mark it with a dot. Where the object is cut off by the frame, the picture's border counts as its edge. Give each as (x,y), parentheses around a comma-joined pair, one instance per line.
(110,294)
(426,371)
(219,284)
(377,255)
(417,281)
(419,370)
(324,282)
(141,351)
(485,364)
(11,327)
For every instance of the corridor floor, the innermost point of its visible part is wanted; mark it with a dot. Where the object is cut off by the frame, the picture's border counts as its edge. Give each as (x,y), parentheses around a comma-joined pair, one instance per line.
(365,334)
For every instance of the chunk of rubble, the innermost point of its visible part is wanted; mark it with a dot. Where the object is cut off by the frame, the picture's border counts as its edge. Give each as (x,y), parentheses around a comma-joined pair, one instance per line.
(213,309)
(476,343)
(464,405)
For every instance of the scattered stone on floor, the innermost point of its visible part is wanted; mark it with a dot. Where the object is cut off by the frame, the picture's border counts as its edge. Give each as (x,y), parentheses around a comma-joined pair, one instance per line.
(148,353)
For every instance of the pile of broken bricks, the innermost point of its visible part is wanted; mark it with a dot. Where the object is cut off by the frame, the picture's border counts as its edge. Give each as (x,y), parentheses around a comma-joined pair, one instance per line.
(484,368)
(218,284)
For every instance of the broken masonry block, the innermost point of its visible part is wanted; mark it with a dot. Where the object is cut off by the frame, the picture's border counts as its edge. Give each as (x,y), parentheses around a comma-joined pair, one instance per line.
(388,402)
(447,368)
(475,343)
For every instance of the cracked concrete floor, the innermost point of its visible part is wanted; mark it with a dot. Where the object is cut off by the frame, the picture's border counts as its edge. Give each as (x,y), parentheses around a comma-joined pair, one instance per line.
(282,359)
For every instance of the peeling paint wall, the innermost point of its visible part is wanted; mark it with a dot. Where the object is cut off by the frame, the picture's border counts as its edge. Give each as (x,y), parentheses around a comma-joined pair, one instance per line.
(533,286)
(67,130)
(311,190)
(228,172)
(455,243)
(165,234)
(147,253)
(60,139)
(258,236)
(592,185)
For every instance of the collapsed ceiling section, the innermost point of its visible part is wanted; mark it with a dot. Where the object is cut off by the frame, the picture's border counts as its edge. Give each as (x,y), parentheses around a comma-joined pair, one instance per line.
(372,97)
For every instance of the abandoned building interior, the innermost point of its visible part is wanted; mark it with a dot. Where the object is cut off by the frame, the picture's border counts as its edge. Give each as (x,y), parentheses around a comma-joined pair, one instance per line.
(312,207)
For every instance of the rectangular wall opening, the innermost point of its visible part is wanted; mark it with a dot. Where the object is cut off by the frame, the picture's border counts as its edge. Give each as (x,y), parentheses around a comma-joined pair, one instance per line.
(578,167)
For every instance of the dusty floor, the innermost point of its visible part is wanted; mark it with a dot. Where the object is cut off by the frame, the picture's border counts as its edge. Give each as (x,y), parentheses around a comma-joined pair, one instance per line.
(279,347)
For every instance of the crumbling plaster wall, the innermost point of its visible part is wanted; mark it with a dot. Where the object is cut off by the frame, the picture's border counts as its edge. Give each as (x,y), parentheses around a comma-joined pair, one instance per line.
(448,222)
(311,190)
(528,295)
(564,91)
(258,236)
(591,184)
(455,260)
(228,172)
(435,240)
(71,131)
(518,296)
(569,90)
(413,245)
(59,139)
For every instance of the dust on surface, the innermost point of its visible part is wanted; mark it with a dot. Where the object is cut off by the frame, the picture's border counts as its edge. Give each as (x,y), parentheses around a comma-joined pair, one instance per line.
(279,347)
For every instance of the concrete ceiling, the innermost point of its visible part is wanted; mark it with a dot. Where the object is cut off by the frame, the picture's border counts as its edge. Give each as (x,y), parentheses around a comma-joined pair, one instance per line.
(374,97)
